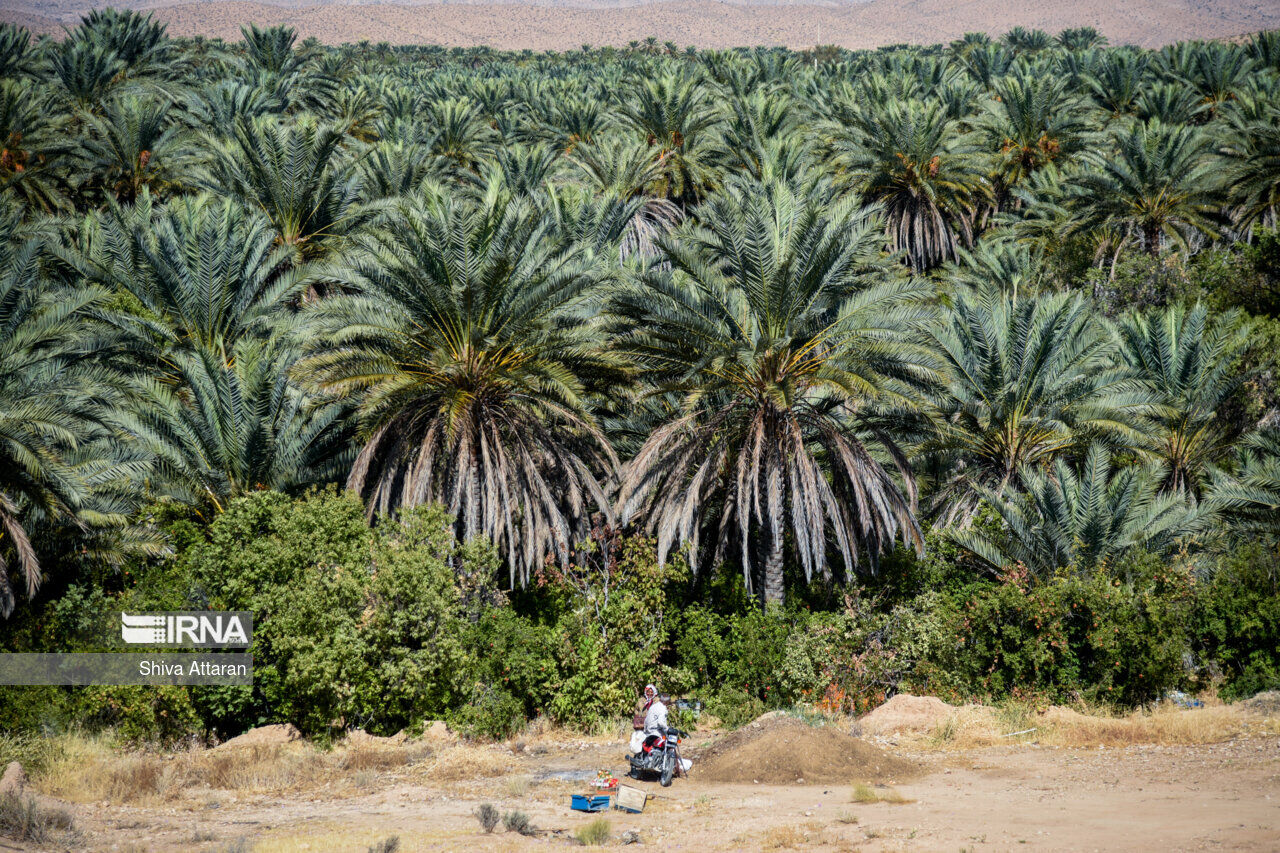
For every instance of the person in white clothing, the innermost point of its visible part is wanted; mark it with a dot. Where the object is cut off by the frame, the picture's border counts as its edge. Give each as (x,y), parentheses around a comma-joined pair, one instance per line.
(655,719)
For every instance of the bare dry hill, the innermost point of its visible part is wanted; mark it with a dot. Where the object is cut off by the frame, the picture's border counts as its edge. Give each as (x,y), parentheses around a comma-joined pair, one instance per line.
(546,25)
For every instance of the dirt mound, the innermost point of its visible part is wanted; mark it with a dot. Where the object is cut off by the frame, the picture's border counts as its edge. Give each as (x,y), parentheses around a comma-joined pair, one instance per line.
(782,750)
(14,780)
(276,735)
(362,739)
(1266,702)
(905,712)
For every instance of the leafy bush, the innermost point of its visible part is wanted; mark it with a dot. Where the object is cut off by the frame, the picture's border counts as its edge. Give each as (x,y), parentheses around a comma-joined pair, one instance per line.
(142,714)
(1237,622)
(491,714)
(351,625)
(1100,636)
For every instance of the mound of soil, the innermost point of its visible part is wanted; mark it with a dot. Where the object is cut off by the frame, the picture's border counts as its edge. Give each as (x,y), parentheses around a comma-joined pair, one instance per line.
(276,735)
(905,712)
(780,750)
(1266,702)
(361,738)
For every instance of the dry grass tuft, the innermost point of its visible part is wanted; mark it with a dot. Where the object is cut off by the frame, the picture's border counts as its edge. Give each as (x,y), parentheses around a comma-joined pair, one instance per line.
(596,833)
(516,787)
(977,726)
(23,819)
(781,837)
(866,794)
(863,793)
(468,762)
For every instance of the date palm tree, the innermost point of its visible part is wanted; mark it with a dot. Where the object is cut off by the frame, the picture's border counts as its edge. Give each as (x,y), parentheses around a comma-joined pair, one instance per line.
(1029,380)
(208,289)
(1082,520)
(33,145)
(1187,359)
(135,144)
(1251,498)
(1160,183)
(1252,159)
(298,175)
(1033,122)
(55,406)
(922,169)
(677,123)
(225,421)
(468,352)
(781,333)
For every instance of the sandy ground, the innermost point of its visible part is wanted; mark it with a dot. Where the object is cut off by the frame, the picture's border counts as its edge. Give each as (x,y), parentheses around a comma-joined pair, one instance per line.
(567,24)
(1025,797)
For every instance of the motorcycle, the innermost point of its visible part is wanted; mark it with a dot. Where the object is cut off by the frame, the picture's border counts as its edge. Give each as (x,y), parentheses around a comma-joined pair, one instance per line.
(660,755)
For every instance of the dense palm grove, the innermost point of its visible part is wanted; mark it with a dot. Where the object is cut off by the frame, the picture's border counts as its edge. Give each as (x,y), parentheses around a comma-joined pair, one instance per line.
(921,343)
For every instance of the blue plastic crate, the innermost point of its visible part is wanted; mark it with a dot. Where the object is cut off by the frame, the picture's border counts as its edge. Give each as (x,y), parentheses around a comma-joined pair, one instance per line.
(590,804)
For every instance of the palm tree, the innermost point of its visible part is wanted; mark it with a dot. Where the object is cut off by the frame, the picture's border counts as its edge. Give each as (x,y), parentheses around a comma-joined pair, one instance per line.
(16,56)
(1001,264)
(297,175)
(775,323)
(1251,498)
(1033,122)
(621,168)
(1083,520)
(1188,360)
(1029,380)
(199,271)
(1081,38)
(469,356)
(138,41)
(915,162)
(270,50)
(1023,40)
(462,136)
(1119,79)
(134,144)
(87,71)
(676,120)
(207,288)
(1159,183)
(1252,158)
(225,421)
(54,402)
(1217,72)
(33,142)
(1171,103)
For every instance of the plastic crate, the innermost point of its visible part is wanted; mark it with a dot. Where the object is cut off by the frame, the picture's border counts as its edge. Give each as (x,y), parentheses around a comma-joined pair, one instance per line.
(581,803)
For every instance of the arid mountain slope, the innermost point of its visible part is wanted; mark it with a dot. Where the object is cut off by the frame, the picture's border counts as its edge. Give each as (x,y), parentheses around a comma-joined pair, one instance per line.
(542,26)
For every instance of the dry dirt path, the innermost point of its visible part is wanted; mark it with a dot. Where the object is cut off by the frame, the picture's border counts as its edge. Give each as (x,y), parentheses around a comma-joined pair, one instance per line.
(1215,797)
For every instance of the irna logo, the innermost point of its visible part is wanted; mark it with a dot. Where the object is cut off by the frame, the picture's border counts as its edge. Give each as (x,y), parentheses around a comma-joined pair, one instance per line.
(192,629)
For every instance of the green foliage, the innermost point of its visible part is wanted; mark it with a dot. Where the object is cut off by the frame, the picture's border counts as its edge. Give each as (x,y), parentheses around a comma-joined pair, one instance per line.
(1118,637)
(490,713)
(1237,625)
(795,305)
(141,714)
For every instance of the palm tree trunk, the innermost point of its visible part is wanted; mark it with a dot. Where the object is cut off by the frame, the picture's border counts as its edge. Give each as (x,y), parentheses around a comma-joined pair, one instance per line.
(472,510)
(773,589)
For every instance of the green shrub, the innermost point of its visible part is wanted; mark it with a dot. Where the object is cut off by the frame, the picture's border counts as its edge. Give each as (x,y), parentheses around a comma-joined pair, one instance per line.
(142,714)
(733,707)
(1238,621)
(1108,639)
(491,714)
